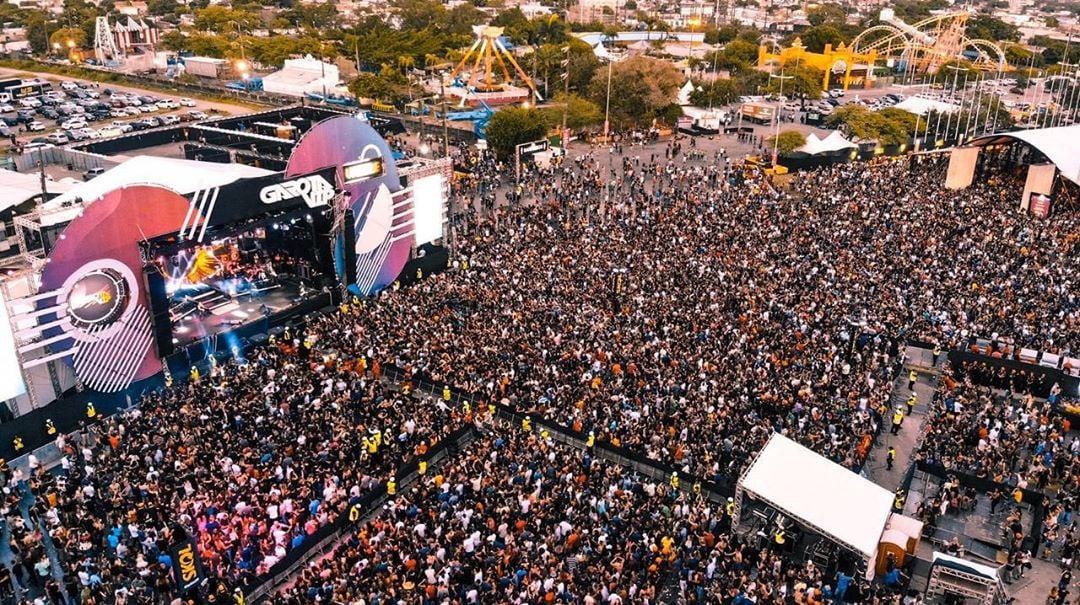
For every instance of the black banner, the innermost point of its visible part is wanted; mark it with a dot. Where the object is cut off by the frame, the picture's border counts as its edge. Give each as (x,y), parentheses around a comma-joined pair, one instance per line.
(187,566)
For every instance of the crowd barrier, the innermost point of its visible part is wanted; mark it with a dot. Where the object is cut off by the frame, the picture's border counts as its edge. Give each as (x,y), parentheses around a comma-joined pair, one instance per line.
(1047,376)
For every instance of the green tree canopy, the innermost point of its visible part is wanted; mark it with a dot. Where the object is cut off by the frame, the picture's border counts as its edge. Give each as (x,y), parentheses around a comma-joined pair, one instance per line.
(387,86)
(512,126)
(827,13)
(641,89)
(786,142)
(580,112)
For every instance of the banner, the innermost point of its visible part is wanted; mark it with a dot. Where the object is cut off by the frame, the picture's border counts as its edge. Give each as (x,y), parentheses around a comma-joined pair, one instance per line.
(961,167)
(187,566)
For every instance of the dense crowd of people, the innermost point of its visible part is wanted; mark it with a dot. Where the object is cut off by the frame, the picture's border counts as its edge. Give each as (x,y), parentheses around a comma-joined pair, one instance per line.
(681,309)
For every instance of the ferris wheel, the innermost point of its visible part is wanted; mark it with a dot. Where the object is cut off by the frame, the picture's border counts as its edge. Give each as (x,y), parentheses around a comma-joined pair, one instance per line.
(930,43)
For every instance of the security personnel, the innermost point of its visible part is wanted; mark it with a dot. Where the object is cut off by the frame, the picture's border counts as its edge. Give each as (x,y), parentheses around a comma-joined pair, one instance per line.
(897,421)
(491,409)
(590,442)
(446,392)
(466,409)
(780,537)
(911,401)
(406,388)
(50,427)
(937,353)
(729,508)
(526,424)
(17,444)
(912,378)
(421,468)
(1018,495)
(168,380)
(354,513)
(419,274)
(194,374)
(675,480)
(238,597)
(391,487)
(544,434)
(91,411)
(899,499)
(890,457)
(697,488)
(378,437)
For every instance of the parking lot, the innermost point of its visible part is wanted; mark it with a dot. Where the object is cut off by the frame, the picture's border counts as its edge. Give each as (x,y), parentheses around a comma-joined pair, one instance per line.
(68,110)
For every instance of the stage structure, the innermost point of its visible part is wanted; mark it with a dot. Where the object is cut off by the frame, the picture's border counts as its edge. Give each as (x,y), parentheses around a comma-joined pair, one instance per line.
(119,287)
(928,44)
(485,55)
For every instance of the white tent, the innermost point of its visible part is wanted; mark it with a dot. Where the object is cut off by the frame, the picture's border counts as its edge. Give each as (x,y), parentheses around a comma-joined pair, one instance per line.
(833,142)
(1057,144)
(683,97)
(18,187)
(820,495)
(182,176)
(922,106)
(301,76)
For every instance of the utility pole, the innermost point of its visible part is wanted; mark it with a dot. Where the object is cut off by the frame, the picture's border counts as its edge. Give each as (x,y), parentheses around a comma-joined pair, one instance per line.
(566,96)
(780,95)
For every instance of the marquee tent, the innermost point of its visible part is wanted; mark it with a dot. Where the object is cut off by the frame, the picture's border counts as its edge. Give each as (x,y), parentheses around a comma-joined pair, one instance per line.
(820,495)
(922,106)
(833,142)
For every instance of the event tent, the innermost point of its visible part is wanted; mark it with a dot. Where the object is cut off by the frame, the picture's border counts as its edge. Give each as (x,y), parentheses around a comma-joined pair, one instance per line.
(820,495)
(182,176)
(922,106)
(833,142)
(17,188)
(1057,144)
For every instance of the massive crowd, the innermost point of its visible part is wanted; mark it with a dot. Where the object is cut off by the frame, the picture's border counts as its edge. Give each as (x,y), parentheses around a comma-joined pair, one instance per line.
(682,309)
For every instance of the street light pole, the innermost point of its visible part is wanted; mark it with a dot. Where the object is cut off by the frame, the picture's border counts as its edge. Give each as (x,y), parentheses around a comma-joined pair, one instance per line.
(780,94)
(607,103)
(566,96)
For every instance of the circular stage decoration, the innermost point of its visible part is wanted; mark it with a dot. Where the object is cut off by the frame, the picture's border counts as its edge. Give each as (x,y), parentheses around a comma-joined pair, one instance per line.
(382,210)
(93,286)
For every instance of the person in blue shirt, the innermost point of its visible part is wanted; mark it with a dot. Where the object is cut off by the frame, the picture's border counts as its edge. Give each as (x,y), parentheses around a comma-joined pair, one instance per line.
(842,582)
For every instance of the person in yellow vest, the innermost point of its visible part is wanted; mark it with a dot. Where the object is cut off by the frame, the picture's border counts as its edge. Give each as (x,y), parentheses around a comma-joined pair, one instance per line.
(91,411)
(446,392)
(50,427)
(17,444)
(780,538)
(899,499)
(526,424)
(911,401)
(937,353)
(377,436)
(590,442)
(465,264)
(354,513)
(419,274)
(544,434)
(491,409)
(466,409)
(194,374)
(391,487)
(697,488)
(421,468)
(729,508)
(897,421)
(912,378)
(406,388)
(344,308)
(890,457)
(1018,495)
(238,597)
(675,480)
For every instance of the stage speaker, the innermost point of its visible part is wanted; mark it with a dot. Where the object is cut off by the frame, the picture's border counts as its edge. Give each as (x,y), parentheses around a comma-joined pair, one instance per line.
(349,249)
(154,282)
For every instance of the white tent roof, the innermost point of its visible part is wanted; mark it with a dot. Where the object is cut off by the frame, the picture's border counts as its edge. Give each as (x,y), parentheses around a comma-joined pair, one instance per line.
(833,142)
(18,187)
(819,493)
(182,176)
(683,97)
(921,106)
(1057,144)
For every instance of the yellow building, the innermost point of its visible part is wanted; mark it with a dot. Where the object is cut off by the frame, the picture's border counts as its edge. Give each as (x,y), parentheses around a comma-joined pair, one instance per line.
(843,67)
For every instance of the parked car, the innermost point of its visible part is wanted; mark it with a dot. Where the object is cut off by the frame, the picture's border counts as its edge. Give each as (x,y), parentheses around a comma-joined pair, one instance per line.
(198,115)
(57,138)
(35,126)
(148,108)
(7,108)
(122,126)
(170,119)
(75,135)
(152,121)
(186,102)
(138,125)
(133,111)
(110,131)
(50,113)
(74,123)
(90,133)
(69,85)
(93,173)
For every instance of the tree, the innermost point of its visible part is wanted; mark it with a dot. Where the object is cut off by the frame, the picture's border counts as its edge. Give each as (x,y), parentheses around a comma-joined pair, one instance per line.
(641,88)
(991,28)
(815,38)
(513,126)
(1052,22)
(273,50)
(789,140)
(461,19)
(207,45)
(387,86)
(800,81)
(889,126)
(419,14)
(67,38)
(37,32)
(550,62)
(580,112)
(715,93)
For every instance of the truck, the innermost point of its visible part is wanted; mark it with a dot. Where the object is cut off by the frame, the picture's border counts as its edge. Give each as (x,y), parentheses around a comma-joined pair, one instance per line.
(206,67)
(762,113)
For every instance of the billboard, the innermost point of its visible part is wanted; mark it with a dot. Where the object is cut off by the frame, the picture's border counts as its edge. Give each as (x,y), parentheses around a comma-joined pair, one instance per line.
(429,194)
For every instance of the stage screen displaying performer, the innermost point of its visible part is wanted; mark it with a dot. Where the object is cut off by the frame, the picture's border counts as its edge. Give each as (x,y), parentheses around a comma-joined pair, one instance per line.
(217,285)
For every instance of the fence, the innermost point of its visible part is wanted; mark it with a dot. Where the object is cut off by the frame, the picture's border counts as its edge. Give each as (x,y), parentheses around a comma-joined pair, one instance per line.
(74,159)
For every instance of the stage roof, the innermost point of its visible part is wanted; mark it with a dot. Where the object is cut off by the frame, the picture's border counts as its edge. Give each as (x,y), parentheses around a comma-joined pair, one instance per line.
(819,493)
(1057,144)
(182,176)
(17,188)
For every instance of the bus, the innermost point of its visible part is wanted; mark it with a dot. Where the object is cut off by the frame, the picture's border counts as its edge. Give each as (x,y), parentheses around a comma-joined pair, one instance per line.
(11,90)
